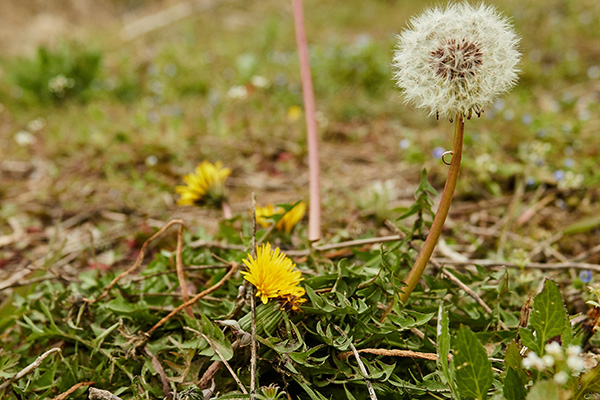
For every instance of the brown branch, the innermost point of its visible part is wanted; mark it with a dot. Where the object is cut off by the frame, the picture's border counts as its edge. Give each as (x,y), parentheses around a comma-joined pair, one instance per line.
(471,293)
(73,388)
(361,366)
(28,369)
(253,343)
(530,265)
(341,245)
(392,353)
(234,267)
(224,361)
(139,259)
(179,266)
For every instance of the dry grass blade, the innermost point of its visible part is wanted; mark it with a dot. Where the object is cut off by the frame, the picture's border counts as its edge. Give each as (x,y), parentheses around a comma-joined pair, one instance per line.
(139,259)
(179,265)
(73,388)
(234,267)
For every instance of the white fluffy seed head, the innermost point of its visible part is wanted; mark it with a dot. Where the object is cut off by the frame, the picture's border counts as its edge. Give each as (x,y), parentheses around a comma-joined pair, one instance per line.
(456,60)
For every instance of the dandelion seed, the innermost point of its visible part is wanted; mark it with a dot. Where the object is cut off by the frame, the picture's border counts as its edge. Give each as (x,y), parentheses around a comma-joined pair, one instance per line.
(274,276)
(456,60)
(287,221)
(205,186)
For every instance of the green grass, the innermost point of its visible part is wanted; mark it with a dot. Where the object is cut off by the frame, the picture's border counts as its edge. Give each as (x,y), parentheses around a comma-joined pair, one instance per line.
(110,155)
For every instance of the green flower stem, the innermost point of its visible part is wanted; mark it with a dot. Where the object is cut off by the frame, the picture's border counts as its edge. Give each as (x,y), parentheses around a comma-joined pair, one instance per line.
(442,212)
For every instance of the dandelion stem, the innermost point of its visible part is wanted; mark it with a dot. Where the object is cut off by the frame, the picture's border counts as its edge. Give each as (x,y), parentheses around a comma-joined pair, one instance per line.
(314,213)
(442,212)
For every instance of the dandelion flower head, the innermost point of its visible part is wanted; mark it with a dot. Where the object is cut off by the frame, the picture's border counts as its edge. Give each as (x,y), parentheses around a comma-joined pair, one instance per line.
(287,221)
(274,276)
(456,60)
(205,186)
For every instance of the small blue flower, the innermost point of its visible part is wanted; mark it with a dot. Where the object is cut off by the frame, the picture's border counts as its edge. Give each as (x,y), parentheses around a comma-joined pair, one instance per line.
(527,119)
(438,152)
(569,163)
(585,276)
(404,143)
(559,174)
(530,181)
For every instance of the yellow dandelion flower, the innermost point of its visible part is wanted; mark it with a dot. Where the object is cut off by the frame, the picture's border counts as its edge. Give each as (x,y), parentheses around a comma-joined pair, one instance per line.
(274,276)
(287,221)
(205,186)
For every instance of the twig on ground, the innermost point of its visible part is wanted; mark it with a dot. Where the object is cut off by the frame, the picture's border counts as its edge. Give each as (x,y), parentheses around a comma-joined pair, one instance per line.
(224,361)
(471,293)
(341,245)
(585,254)
(253,344)
(546,245)
(189,268)
(218,245)
(165,17)
(392,353)
(73,388)
(15,279)
(234,267)
(530,265)
(179,267)
(361,366)
(531,211)
(28,369)
(139,259)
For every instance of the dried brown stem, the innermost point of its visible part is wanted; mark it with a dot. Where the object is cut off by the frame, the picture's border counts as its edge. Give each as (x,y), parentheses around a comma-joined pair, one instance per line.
(224,361)
(139,259)
(530,265)
(471,293)
(28,369)
(253,344)
(392,353)
(73,388)
(234,267)
(180,277)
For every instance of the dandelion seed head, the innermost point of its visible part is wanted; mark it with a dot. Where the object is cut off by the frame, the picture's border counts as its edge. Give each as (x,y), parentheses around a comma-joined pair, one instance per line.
(456,60)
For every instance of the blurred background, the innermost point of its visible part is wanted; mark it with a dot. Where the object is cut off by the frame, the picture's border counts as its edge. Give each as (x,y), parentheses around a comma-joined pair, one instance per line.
(105,105)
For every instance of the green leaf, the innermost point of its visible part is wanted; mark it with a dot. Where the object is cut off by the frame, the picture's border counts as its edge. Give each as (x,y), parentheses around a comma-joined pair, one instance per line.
(120,305)
(514,362)
(544,390)
(473,369)
(590,382)
(443,339)
(348,393)
(529,340)
(218,339)
(548,315)
(513,387)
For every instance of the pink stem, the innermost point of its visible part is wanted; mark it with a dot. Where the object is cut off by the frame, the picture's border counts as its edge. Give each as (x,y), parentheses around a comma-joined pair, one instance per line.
(226,210)
(314,212)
